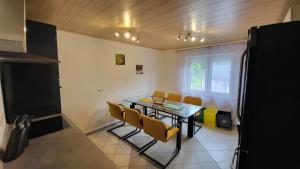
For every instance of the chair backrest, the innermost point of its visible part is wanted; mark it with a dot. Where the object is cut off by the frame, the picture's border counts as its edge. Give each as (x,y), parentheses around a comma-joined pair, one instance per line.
(116,111)
(133,117)
(192,100)
(159,94)
(155,128)
(174,97)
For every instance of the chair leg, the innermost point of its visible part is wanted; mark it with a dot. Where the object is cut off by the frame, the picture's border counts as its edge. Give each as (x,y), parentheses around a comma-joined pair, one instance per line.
(174,154)
(116,127)
(131,134)
(195,125)
(147,146)
(121,125)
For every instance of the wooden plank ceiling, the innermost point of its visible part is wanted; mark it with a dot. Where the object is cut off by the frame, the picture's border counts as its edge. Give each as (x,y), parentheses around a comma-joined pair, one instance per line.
(157,22)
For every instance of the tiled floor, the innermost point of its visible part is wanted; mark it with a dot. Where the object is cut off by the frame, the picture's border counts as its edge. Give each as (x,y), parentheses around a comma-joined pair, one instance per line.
(211,148)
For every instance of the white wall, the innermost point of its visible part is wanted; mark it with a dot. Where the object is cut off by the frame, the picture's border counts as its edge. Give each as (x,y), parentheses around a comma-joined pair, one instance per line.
(88,64)
(169,71)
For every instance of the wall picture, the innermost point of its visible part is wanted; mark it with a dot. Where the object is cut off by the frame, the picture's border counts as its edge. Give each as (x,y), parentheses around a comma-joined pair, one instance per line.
(139,69)
(120,59)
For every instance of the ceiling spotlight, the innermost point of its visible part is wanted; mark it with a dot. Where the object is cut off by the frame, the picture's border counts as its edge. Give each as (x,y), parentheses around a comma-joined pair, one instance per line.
(202,40)
(117,34)
(193,38)
(138,40)
(185,39)
(127,35)
(133,38)
(178,37)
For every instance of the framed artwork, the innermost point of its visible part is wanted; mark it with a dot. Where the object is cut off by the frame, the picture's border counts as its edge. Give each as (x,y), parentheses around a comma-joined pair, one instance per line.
(120,59)
(139,69)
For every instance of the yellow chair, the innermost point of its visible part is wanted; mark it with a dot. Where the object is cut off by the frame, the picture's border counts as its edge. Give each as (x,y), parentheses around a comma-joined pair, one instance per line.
(197,102)
(159,131)
(159,94)
(210,116)
(134,118)
(192,100)
(174,97)
(117,112)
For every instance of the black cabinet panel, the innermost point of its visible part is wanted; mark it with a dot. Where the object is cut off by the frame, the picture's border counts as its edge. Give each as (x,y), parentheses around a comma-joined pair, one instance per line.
(46,126)
(41,39)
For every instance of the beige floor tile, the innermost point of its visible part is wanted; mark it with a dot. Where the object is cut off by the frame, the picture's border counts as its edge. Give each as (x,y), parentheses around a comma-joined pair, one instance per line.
(224,165)
(191,166)
(175,166)
(203,157)
(210,148)
(218,156)
(123,149)
(122,160)
(109,149)
(187,157)
(209,166)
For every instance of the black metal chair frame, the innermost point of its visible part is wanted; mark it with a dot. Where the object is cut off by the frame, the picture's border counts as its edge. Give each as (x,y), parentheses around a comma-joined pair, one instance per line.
(153,142)
(121,125)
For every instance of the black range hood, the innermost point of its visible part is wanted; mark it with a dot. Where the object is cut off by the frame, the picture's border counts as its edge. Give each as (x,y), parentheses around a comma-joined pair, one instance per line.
(20,57)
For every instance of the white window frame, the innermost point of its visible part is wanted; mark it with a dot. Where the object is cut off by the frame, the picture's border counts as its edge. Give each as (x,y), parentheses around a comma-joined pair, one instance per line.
(208,79)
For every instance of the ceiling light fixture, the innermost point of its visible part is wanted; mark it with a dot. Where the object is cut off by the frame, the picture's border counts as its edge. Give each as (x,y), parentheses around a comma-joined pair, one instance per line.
(178,37)
(133,38)
(127,35)
(189,36)
(193,38)
(202,40)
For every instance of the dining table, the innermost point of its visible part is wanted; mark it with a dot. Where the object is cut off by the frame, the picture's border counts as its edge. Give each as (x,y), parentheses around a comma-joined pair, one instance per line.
(181,111)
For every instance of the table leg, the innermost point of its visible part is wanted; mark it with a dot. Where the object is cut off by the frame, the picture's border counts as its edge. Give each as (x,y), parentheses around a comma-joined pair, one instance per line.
(178,140)
(132,106)
(145,110)
(190,128)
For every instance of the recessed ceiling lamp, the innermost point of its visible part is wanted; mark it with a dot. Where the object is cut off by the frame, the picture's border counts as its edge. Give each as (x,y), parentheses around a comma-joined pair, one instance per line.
(117,34)
(202,40)
(127,35)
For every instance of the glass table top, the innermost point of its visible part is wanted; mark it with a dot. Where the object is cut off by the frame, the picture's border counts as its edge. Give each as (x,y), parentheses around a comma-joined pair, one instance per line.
(176,108)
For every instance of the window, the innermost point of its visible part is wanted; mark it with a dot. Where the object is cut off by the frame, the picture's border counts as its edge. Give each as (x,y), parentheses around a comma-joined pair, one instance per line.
(211,73)
(198,74)
(221,69)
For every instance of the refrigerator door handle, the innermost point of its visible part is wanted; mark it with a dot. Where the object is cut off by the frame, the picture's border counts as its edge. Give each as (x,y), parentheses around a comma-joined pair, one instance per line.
(235,154)
(242,73)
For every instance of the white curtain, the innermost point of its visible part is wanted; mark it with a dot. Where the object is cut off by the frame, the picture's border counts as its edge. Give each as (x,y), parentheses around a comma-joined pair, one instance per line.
(217,68)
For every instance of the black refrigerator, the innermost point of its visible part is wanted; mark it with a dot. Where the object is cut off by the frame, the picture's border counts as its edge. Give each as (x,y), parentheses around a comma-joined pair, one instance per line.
(269,99)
